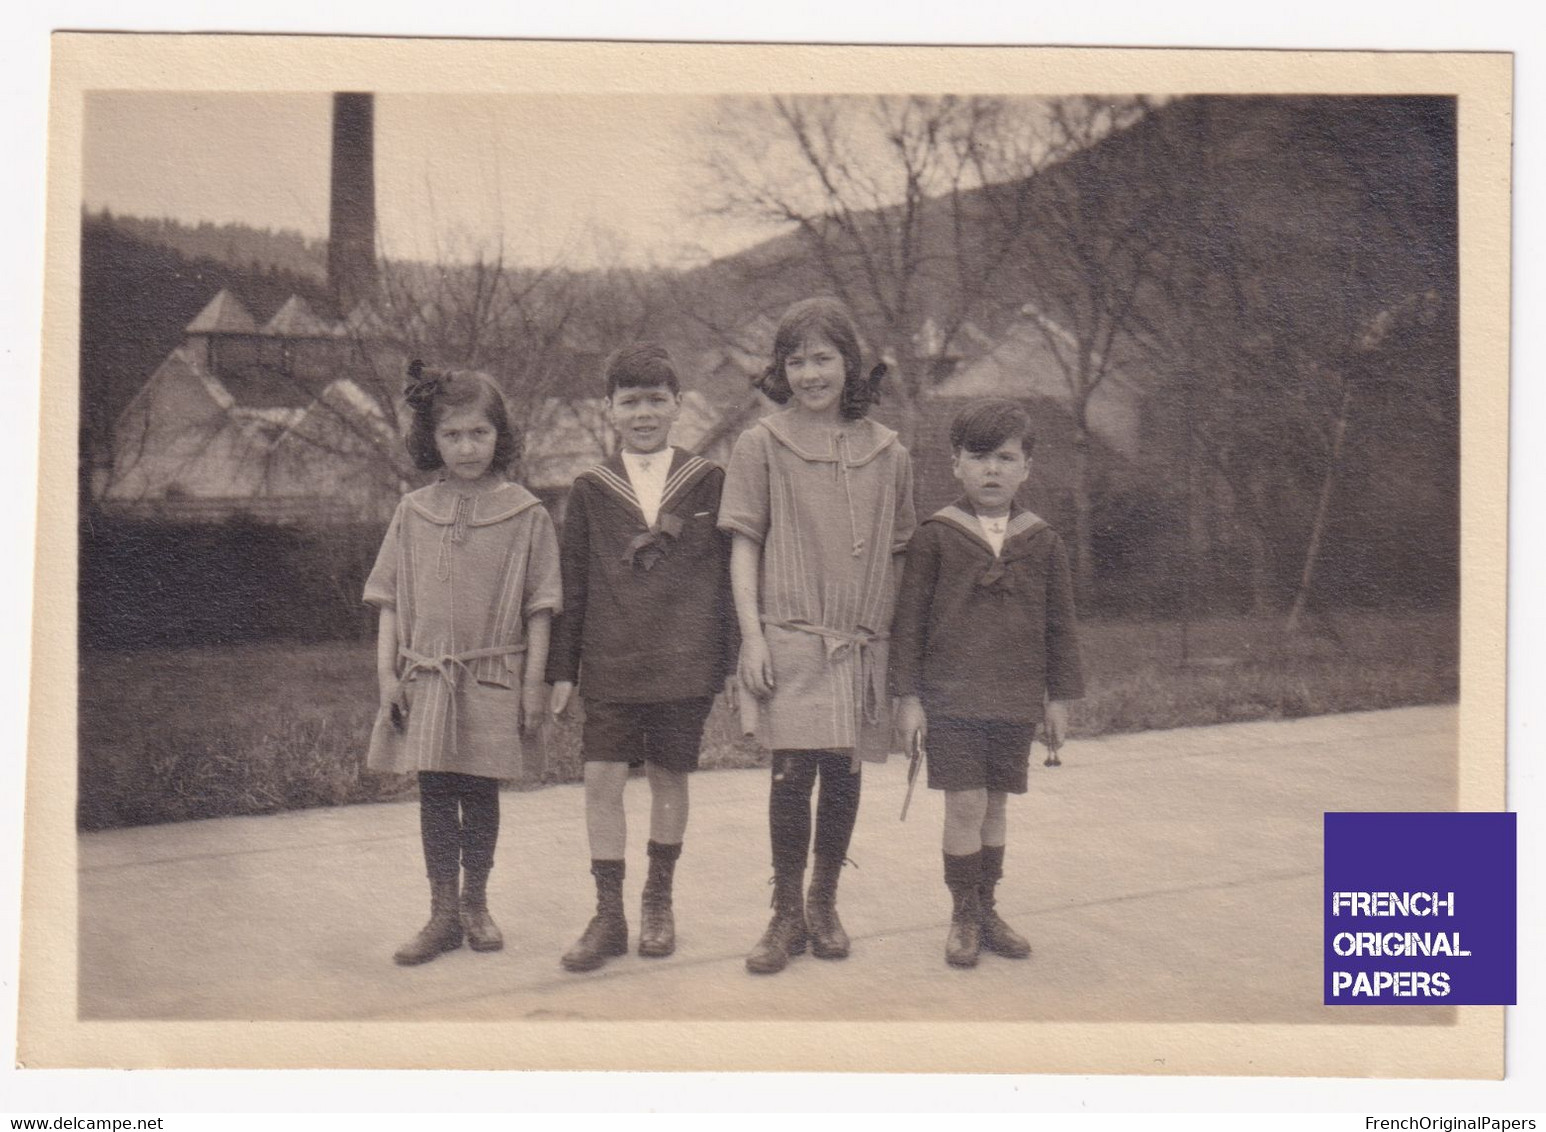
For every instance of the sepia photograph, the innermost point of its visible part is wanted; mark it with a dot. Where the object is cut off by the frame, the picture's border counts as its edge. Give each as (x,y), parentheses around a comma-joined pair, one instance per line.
(682,563)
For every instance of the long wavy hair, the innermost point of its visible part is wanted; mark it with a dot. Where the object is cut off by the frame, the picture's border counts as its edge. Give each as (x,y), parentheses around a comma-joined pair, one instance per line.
(829,319)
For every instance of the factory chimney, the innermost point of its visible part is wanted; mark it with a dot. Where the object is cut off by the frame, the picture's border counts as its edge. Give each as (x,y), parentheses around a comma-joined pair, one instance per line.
(351,248)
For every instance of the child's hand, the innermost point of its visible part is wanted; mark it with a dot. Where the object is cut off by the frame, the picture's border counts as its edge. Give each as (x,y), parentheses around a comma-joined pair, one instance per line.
(911,720)
(756,667)
(1057,723)
(532,705)
(559,700)
(386,683)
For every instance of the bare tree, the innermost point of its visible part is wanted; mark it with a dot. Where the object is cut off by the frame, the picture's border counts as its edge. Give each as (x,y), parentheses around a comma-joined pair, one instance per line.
(1263,319)
(925,213)
(1090,244)
(537,331)
(1221,367)
(1347,379)
(906,207)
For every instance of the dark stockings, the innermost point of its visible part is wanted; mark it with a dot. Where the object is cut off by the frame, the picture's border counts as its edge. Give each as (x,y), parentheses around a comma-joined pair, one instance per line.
(789,806)
(459,821)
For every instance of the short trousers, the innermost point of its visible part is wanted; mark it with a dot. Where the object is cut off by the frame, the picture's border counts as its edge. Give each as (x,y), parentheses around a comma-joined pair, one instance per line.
(973,754)
(668,733)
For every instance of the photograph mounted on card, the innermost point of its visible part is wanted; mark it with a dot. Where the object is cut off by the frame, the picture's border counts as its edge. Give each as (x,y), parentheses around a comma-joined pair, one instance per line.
(1096,458)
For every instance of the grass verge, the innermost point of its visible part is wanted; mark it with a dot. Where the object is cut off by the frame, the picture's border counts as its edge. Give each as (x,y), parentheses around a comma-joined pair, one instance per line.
(172,735)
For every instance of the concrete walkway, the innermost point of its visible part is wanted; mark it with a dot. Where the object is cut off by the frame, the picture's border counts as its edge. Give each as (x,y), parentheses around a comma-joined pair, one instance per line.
(1162,877)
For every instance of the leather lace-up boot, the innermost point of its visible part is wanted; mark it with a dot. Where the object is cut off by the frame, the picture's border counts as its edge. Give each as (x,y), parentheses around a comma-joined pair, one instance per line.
(657,927)
(483,933)
(964,943)
(786,934)
(443,932)
(828,939)
(606,936)
(997,936)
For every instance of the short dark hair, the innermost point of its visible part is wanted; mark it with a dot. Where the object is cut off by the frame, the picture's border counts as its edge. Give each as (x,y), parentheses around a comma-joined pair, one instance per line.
(984,425)
(829,319)
(434,392)
(640,366)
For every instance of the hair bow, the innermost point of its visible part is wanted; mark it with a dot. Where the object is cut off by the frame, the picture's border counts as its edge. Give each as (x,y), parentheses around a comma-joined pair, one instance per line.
(421,390)
(767,381)
(877,375)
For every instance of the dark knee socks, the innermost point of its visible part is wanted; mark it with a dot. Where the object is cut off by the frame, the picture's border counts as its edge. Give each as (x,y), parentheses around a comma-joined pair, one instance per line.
(837,809)
(992,865)
(609,886)
(440,825)
(458,821)
(663,859)
(480,821)
(789,806)
(789,810)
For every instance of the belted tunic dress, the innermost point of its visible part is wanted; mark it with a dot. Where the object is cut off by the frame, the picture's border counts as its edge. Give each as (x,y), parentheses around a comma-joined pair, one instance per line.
(829,510)
(464,572)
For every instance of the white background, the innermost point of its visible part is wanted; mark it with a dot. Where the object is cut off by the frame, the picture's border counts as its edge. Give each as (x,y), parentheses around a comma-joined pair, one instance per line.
(1479,26)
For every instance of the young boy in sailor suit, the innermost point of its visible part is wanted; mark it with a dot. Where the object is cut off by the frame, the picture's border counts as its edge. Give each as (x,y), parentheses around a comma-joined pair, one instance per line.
(646,636)
(984,648)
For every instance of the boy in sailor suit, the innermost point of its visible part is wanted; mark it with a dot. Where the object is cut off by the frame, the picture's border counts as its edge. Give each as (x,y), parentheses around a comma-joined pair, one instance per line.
(984,648)
(646,637)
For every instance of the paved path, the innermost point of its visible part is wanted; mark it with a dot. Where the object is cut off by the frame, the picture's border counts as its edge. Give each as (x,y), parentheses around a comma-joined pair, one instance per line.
(1162,877)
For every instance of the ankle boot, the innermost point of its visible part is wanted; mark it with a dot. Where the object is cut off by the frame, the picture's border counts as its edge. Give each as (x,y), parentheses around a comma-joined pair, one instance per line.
(786,934)
(997,936)
(828,939)
(443,932)
(483,933)
(607,933)
(657,927)
(964,943)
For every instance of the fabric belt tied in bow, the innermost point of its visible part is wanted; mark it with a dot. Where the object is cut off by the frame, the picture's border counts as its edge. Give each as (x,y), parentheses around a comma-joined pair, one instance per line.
(449,666)
(869,680)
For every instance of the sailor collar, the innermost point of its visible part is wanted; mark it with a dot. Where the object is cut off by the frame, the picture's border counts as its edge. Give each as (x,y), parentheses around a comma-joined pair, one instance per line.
(960,516)
(858,441)
(439,503)
(686,469)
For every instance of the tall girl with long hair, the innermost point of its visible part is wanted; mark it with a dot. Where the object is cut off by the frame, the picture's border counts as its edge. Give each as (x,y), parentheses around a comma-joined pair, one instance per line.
(818,501)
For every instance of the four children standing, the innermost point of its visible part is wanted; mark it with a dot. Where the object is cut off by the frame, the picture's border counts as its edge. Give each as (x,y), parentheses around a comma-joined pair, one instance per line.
(784,570)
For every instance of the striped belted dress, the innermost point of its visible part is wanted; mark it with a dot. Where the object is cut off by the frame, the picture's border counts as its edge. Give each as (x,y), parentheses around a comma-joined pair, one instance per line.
(830,510)
(464,572)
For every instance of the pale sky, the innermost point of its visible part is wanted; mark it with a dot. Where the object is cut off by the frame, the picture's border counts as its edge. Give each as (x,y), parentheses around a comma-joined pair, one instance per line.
(572,177)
